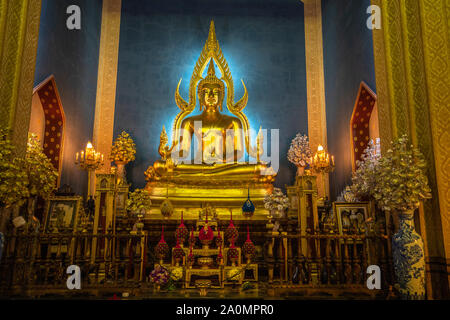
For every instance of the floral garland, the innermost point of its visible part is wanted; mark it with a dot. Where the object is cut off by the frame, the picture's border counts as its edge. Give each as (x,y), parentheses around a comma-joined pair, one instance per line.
(138,201)
(123,149)
(159,275)
(300,152)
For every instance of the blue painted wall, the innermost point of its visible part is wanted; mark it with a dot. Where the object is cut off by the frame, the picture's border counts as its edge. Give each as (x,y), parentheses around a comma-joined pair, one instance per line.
(160,41)
(72,57)
(348,60)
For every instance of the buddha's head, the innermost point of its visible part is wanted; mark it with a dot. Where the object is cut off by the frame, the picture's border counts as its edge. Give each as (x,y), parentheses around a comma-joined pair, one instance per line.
(211,90)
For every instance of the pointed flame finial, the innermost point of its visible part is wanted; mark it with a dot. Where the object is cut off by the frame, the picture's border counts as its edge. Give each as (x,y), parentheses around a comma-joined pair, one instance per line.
(212,40)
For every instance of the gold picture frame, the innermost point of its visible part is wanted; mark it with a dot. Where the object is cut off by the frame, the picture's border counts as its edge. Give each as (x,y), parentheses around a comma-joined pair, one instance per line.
(351,216)
(62,213)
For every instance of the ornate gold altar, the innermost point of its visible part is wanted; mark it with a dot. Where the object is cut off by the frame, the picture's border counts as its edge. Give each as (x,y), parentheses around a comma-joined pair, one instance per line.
(218,176)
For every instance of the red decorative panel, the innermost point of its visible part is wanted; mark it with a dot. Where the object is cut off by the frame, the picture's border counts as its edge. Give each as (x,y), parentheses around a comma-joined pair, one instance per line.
(54,121)
(359,124)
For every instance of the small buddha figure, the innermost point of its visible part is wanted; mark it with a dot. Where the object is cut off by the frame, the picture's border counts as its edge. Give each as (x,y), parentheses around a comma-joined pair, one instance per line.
(220,136)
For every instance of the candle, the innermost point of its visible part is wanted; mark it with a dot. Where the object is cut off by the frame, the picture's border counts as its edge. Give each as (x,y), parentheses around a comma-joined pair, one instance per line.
(82,155)
(76,156)
(332,160)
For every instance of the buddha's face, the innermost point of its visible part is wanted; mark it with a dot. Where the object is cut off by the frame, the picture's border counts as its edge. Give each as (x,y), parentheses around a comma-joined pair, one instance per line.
(211,95)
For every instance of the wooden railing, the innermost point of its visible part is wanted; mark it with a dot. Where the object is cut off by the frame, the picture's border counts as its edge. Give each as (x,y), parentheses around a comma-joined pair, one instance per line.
(326,259)
(36,264)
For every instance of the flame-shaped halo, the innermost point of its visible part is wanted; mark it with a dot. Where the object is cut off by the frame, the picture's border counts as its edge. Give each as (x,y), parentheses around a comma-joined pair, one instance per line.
(211,50)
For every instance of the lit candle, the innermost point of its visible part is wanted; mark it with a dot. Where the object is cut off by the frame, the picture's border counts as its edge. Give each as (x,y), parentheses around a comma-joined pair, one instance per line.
(82,155)
(76,156)
(332,160)
(102,157)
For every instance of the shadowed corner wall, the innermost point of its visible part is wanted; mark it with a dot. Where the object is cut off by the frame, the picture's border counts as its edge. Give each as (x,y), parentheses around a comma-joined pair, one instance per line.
(160,41)
(348,60)
(72,57)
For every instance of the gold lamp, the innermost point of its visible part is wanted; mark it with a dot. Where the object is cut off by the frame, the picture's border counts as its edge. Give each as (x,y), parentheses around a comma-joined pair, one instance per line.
(322,163)
(89,160)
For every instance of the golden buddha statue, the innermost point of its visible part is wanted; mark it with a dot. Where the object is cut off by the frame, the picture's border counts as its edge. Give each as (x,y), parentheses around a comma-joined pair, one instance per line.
(217,173)
(211,127)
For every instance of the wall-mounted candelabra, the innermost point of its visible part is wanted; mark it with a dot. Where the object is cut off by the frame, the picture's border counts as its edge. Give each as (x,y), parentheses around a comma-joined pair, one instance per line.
(89,160)
(322,163)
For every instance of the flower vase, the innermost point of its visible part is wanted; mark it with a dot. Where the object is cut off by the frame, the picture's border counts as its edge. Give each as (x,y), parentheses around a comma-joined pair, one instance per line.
(121,170)
(300,171)
(409,262)
(277,214)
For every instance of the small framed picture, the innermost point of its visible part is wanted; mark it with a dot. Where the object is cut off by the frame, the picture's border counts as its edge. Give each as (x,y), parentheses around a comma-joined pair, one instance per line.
(121,199)
(351,216)
(62,213)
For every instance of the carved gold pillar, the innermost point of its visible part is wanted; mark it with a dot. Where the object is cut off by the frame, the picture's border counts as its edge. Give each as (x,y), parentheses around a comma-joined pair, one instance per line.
(435,17)
(315,83)
(106,81)
(412,77)
(19,32)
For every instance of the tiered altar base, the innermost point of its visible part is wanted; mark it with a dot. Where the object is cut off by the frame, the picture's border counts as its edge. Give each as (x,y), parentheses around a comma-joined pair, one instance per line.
(222,195)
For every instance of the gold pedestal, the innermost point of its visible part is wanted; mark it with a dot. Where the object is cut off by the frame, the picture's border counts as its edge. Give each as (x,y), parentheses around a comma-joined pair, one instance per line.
(223,195)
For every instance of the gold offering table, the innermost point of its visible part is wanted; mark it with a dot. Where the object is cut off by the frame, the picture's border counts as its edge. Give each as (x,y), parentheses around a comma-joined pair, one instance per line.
(207,271)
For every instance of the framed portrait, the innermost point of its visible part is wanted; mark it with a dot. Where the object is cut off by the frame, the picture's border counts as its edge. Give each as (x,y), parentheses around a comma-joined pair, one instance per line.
(351,216)
(62,213)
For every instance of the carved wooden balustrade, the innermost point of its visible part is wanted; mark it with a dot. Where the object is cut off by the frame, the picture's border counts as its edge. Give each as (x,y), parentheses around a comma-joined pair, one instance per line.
(326,260)
(36,264)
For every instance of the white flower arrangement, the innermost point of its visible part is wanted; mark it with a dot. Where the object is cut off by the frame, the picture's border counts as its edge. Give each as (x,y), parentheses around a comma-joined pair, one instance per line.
(300,152)
(401,182)
(396,180)
(276,201)
(364,178)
